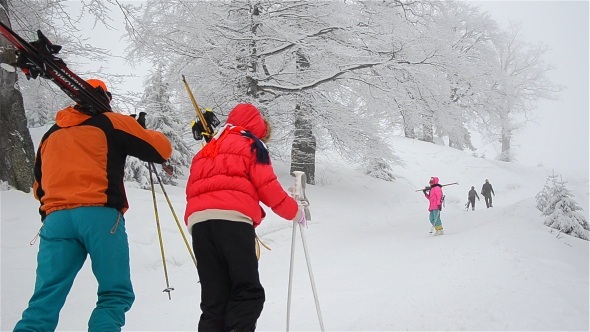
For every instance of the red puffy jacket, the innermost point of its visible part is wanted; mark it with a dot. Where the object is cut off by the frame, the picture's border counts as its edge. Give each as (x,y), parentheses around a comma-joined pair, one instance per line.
(226,175)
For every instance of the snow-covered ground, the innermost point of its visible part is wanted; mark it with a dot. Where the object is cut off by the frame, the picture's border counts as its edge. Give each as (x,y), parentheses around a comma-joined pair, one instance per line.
(376,266)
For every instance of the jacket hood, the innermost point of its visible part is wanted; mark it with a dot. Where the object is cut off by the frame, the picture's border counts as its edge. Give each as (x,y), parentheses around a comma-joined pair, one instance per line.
(249,117)
(69,117)
(434,180)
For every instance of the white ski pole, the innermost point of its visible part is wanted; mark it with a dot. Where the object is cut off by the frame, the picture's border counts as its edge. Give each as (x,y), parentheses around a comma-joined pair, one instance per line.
(291,276)
(299,195)
(295,194)
(311,279)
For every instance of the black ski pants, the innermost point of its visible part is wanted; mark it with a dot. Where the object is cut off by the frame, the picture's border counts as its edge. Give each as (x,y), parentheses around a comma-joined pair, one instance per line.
(232,297)
(488,198)
(471,202)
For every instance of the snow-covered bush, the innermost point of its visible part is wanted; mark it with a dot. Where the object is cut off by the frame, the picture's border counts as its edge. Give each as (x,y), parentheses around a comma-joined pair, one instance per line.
(161,116)
(380,169)
(543,195)
(560,210)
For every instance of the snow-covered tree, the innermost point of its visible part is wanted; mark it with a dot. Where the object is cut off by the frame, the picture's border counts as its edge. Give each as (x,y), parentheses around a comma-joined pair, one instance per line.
(163,117)
(561,211)
(435,69)
(461,39)
(380,169)
(519,81)
(289,58)
(542,197)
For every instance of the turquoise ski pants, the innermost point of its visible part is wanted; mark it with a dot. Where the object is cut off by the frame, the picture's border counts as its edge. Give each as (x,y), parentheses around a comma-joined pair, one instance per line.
(435,219)
(66,238)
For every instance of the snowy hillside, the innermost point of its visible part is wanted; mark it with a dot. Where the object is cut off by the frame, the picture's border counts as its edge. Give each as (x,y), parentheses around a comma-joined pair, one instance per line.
(376,266)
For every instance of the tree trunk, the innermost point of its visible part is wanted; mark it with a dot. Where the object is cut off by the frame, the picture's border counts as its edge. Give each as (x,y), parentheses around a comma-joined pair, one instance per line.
(453,143)
(427,127)
(427,133)
(304,146)
(17,154)
(408,126)
(506,154)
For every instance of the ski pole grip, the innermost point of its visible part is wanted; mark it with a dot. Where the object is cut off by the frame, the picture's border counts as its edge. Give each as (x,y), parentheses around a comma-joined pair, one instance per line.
(298,178)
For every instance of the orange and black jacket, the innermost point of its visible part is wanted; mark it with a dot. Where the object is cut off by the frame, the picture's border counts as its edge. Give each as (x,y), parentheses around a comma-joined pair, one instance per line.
(81,159)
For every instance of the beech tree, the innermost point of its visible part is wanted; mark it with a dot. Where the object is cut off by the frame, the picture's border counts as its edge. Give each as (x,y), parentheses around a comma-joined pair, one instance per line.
(519,81)
(289,58)
(461,36)
(341,74)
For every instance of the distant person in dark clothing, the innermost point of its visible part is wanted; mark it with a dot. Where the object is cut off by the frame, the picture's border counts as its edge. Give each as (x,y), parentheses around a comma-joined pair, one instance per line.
(471,198)
(487,191)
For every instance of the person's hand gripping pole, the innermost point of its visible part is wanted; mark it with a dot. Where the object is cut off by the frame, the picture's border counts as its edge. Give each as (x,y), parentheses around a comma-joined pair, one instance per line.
(298,193)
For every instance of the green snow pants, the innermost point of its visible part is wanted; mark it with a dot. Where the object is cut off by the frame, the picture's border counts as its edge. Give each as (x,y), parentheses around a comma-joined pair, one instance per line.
(434,217)
(66,238)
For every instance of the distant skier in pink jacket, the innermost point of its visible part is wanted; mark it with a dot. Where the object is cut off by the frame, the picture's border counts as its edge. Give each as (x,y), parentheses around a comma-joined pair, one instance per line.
(434,195)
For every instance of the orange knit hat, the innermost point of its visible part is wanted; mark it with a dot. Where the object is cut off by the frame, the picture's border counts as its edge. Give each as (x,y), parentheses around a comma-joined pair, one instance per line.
(95,83)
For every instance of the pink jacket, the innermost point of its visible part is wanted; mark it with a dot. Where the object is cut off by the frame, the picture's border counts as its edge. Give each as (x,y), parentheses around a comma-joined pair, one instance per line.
(226,175)
(435,195)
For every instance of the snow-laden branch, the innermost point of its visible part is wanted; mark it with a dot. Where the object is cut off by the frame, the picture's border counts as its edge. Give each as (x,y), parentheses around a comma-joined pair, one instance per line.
(331,77)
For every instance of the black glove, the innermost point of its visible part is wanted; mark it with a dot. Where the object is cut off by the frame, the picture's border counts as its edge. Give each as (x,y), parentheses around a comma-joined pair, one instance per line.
(45,48)
(29,68)
(440,207)
(140,119)
(198,130)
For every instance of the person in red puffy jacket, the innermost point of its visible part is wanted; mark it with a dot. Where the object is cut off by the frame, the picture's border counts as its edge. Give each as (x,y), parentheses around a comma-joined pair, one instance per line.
(228,179)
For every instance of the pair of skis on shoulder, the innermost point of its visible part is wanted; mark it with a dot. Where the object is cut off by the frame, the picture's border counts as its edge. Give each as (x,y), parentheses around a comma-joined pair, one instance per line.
(38,58)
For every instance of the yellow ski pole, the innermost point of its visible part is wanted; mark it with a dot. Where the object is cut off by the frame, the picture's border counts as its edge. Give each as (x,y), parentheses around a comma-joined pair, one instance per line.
(168,289)
(206,128)
(174,214)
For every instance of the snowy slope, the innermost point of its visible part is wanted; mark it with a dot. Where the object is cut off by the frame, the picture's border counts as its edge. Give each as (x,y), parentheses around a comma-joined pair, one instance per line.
(376,266)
